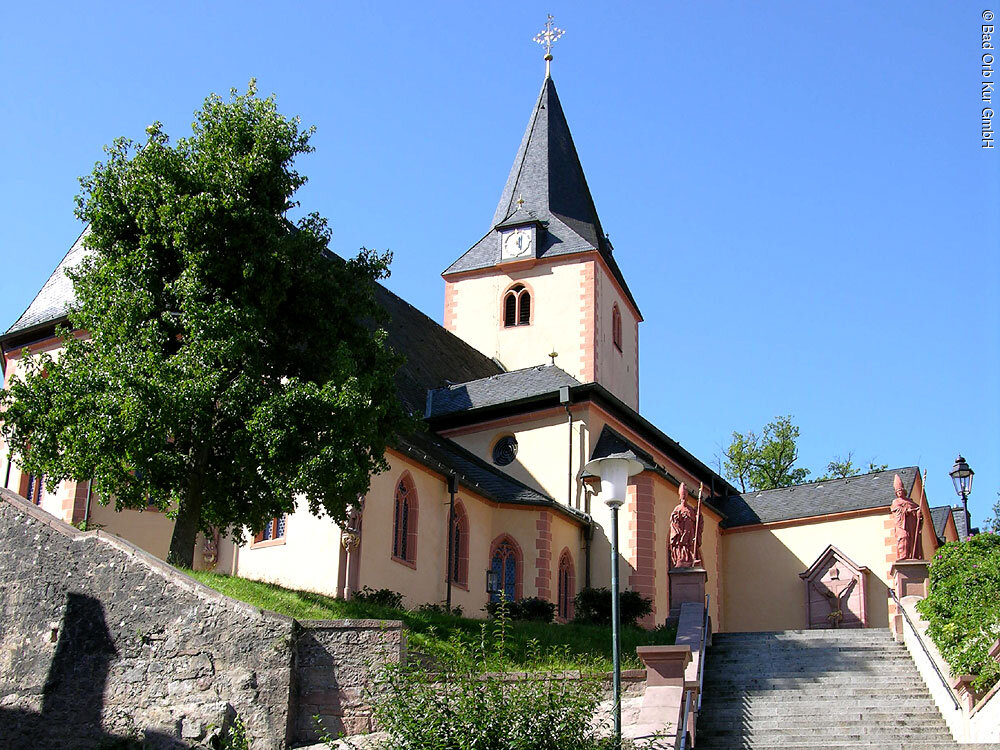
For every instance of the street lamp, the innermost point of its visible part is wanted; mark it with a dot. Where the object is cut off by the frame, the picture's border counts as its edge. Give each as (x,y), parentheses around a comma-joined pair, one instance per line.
(614,471)
(962,475)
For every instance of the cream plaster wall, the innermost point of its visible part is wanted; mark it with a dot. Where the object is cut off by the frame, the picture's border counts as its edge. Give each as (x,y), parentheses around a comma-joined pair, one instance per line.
(475,316)
(309,559)
(761,567)
(543,454)
(148,529)
(618,371)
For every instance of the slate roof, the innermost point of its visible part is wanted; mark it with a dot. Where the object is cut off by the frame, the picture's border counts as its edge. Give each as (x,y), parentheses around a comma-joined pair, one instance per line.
(610,442)
(939,517)
(961,522)
(55,296)
(434,356)
(548,175)
(815,498)
(497,389)
(443,455)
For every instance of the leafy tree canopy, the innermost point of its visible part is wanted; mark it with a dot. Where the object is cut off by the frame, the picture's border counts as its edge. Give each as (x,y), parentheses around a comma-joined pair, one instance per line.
(842,468)
(230,362)
(767,460)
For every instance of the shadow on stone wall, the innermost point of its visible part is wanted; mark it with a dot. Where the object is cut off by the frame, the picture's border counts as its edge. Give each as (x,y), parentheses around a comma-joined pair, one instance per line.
(73,694)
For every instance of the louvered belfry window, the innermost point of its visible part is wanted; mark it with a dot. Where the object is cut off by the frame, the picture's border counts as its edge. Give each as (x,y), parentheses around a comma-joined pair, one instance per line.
(616,327)
(517,307)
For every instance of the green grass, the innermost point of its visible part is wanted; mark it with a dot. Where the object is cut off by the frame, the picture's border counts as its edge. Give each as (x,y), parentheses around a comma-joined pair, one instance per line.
(569,646)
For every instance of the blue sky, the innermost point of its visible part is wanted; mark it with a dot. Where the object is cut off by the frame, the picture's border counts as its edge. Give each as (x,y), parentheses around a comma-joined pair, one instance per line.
(796,191)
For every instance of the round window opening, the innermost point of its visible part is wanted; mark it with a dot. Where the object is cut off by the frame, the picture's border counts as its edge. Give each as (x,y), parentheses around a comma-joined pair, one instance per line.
(505,451)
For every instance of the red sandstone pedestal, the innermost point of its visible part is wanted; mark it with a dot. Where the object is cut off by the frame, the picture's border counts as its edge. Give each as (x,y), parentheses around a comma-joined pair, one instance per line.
(686,585)
(910,577)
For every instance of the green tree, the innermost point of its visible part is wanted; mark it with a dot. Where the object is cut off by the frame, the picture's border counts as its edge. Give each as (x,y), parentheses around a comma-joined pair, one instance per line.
(230,362)
(992,525)
(842,468)
(765,461)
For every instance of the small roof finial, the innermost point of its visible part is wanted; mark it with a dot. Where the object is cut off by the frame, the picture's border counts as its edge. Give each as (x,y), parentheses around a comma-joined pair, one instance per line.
(553,354)
(547,37)
(520,201)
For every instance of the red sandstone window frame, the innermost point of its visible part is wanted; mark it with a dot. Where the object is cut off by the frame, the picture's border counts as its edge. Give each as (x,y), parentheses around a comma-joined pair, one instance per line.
(616,327)
(405,510)
(565,587)
(34,486)
(259,542)
(518,562)
(517,300)
(458,565)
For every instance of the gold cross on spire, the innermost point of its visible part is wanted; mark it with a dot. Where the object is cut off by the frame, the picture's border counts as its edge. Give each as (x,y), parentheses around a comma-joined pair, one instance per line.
(547,37)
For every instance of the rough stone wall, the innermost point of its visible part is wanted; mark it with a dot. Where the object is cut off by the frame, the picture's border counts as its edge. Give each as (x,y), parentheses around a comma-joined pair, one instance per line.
(100,641)
(336,665)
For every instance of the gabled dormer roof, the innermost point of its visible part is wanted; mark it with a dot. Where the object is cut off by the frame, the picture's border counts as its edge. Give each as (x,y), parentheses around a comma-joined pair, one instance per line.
(546,184)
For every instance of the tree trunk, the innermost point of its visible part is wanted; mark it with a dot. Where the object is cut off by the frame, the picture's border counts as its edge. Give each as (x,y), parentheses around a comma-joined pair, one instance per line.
(188,522)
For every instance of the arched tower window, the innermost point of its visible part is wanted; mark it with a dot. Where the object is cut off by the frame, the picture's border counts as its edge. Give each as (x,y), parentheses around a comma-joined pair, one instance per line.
(505,562)
(567,586)
(517,307)
(616,327)
(404,525)
(458,566)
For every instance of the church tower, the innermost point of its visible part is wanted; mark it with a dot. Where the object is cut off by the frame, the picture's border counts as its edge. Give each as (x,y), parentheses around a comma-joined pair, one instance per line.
(544,278)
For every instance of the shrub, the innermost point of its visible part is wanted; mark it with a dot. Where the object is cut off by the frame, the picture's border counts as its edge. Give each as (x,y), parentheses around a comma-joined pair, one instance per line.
(460,708)
(963,607)
(594,606)
(435,608)
(529,609)
(379,597)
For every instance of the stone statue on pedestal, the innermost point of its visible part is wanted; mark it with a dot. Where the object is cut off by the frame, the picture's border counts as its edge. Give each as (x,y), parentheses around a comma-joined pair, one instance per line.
(908,520)
(685,534)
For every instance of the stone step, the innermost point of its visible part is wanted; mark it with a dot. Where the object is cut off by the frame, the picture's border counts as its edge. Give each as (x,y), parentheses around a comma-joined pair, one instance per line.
(881,744)
(831,733)
(840,719)
(811,694)
(805,681)
(803,709)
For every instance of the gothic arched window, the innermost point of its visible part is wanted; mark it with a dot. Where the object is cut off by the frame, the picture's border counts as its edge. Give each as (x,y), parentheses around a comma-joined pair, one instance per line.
(517,307)
(616,327)
(458,566)
(566,587)
(404,523)
(505,563)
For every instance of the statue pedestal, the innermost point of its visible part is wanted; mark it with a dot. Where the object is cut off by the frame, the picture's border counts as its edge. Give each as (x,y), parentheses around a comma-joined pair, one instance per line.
(911,577)
(686,585)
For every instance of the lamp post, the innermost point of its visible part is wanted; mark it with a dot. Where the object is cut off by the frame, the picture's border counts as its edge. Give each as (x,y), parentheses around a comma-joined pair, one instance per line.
(614,471)
(962,475)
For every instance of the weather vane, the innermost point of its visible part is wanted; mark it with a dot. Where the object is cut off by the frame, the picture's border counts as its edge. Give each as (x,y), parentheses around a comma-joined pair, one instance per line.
(547,37)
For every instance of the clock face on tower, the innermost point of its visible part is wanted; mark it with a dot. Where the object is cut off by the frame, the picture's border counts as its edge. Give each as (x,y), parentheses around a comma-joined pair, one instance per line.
(517,243)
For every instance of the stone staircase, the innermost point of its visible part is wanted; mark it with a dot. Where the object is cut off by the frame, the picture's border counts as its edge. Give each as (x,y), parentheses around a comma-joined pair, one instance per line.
(816,690)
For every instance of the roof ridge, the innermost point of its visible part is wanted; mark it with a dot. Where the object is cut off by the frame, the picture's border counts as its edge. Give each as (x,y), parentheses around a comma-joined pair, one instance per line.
(831,479)
(506,373)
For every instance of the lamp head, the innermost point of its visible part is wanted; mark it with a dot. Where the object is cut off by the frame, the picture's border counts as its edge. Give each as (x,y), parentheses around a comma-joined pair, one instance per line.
(614,471)
(962,475)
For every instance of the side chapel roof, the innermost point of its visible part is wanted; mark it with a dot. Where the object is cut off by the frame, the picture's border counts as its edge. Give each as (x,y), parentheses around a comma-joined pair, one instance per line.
(939,517)
(820,498)
(548,176)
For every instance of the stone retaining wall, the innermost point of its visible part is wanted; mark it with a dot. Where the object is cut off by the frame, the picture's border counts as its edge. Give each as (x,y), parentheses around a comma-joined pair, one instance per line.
(335,662)
(101,641)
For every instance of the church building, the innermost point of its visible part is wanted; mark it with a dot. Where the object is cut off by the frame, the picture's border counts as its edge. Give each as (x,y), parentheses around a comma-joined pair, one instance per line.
(534,373)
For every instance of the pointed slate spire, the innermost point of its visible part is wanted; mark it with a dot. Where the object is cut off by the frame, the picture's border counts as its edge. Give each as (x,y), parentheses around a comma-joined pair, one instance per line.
(546,184)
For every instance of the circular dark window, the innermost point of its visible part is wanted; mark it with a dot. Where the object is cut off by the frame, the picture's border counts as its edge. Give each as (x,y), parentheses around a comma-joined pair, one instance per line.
(505,450)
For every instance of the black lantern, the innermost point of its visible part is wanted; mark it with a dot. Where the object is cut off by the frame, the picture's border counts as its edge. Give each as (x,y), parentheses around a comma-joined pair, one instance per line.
(492,583)
(962,475)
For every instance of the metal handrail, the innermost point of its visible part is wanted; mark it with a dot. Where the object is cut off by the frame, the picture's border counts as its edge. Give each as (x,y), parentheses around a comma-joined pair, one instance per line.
(947,687)
(684,719)
(701,680)
(701,653)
